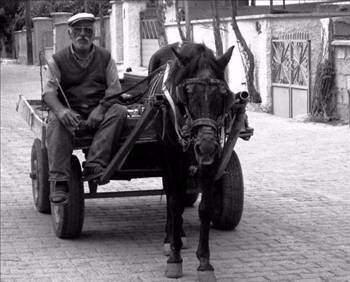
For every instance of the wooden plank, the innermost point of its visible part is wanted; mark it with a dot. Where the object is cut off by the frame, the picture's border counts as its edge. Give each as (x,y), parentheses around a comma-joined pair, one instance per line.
(27,112)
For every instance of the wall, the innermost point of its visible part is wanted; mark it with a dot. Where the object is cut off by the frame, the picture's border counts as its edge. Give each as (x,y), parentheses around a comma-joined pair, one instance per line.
(259,41)
(342,79)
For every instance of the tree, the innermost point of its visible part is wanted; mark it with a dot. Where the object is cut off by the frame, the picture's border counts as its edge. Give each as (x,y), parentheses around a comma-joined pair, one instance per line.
(182,14)
(247,57)
(160,12)
(8,14)
(29,34)
(216,28)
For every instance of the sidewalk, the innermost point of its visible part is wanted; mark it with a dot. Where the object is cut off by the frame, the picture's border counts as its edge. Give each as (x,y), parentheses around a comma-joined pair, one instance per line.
(295,225)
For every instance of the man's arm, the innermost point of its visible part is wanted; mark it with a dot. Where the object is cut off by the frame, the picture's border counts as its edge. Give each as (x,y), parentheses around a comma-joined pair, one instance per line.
(69,118)
(113,86)
(113,83)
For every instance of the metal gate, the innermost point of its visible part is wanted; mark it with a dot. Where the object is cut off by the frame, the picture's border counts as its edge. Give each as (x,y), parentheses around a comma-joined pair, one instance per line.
(290,69)
(149,39)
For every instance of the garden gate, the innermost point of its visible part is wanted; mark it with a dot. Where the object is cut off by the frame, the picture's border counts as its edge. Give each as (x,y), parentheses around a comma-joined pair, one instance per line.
(149,39)
(290,69)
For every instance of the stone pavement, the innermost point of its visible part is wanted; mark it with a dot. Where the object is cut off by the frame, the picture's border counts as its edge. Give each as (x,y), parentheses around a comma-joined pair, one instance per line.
(295,225)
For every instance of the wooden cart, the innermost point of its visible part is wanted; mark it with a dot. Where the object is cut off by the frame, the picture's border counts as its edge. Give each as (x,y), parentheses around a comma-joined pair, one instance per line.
(136,157)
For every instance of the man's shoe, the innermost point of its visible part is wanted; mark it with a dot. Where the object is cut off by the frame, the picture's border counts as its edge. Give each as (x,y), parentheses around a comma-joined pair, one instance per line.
(92,173)
(60,194)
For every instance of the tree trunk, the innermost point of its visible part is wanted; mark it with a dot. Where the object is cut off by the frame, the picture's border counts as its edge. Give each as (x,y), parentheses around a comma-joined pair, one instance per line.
(216,28)
(162,39)
(247,58)
(178,21)
(29,34)
(188,21)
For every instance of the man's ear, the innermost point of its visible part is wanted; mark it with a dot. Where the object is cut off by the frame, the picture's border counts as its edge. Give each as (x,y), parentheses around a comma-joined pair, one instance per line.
(70,32)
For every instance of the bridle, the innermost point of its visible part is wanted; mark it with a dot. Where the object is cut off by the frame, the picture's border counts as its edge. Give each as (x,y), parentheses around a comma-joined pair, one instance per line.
(186,138)
(206,84)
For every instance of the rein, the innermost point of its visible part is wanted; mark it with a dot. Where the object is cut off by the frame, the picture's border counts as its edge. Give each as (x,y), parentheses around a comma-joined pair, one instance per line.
(109,99)
(170,100)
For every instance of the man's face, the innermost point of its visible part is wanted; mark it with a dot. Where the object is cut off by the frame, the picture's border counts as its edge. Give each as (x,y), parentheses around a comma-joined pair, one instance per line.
(82,35)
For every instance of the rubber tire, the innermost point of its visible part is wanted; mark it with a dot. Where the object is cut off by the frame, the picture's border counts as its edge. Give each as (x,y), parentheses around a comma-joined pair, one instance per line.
(40,177)
(68,219)
(229,196)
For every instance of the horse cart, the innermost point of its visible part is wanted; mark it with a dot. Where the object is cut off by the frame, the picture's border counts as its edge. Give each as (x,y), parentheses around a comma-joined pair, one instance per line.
(137,157)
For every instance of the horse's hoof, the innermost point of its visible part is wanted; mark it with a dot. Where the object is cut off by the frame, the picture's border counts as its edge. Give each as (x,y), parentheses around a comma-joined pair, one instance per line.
(206,276)
(173,270)
(184,243)
(166,249)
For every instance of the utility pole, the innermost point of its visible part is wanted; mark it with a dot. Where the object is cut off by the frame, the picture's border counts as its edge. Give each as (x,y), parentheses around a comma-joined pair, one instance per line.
(29,34)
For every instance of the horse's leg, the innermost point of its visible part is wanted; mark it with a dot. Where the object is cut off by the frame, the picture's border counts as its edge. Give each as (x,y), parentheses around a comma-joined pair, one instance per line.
(205,269)
(175,210)
(166,247)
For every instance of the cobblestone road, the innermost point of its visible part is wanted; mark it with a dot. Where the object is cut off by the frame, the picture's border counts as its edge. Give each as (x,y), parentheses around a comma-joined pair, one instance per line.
(295,226)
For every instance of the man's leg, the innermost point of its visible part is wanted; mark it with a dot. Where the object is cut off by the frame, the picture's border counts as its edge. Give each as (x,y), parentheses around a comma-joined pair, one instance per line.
(60,148)
(106,136)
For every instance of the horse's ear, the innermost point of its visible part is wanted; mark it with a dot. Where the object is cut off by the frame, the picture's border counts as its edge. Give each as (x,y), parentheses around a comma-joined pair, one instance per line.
(177,55)
(225,58)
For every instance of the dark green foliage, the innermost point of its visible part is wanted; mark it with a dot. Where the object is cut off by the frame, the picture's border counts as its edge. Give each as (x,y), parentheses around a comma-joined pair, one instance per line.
(12,14)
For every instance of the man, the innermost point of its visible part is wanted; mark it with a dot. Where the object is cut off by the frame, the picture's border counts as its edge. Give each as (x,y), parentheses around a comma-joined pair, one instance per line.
(78,78)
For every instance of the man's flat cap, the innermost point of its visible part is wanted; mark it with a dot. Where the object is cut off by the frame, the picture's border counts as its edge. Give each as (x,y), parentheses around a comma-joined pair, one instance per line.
(80,17)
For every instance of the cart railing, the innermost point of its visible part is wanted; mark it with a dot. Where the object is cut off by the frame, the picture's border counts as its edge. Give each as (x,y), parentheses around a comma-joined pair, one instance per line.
(36,122)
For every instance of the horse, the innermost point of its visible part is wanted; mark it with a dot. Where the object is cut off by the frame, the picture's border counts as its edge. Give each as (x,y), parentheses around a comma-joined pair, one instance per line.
(198,98)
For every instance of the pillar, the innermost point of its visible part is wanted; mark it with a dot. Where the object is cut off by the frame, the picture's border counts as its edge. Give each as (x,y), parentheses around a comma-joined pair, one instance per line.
(60,30)
(42,36)
(131,31)
(116,31)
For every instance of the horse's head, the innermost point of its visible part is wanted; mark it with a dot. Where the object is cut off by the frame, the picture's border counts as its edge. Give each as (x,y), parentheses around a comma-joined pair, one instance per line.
(202,91)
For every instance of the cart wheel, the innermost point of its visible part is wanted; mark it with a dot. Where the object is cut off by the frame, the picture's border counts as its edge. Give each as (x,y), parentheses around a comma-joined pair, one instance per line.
(229,196)
(68,218)
(40,177)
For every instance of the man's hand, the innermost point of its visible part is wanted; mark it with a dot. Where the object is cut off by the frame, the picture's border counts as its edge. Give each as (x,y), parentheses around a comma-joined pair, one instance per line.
(69,119)
(96,117)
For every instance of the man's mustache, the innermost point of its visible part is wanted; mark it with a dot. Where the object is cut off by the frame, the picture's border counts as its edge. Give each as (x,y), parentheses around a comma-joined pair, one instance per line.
(83,38)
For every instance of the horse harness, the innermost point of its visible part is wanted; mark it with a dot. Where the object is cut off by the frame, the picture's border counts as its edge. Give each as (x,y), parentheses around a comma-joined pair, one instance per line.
(191,123)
